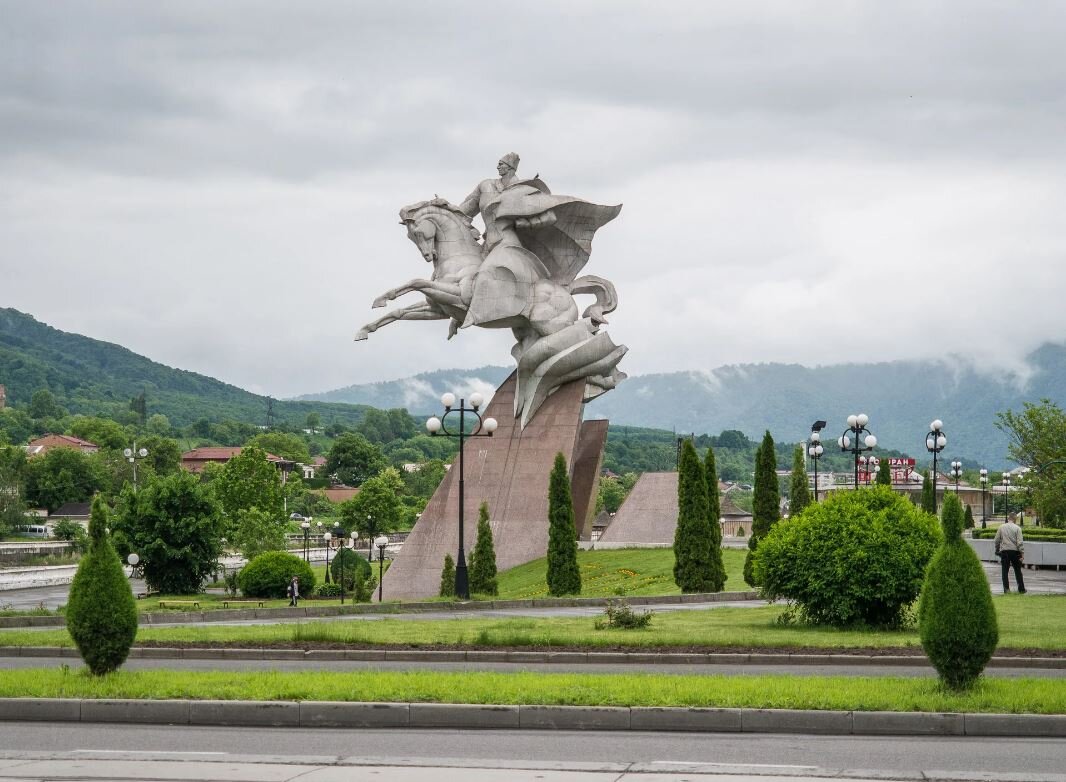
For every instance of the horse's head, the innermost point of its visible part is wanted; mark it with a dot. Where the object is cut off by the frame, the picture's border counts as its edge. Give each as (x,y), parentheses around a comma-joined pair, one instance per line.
(424,234)
(429,222)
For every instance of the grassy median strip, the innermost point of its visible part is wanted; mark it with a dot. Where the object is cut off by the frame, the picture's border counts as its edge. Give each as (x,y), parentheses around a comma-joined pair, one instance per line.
(1030,696)
(1025,622)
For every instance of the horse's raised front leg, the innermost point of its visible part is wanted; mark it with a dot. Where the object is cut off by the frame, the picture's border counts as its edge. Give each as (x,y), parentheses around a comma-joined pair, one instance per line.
(440,292)
(423,311)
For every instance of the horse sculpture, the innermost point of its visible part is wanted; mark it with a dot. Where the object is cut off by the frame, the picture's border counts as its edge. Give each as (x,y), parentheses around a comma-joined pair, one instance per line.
(508,287)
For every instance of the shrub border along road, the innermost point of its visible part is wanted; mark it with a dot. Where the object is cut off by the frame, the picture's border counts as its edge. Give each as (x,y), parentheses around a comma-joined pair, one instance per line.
(230,615)
(330,714)
(524,656)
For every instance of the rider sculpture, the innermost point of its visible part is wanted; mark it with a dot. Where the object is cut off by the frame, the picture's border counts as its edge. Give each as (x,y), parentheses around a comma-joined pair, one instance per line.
(521,276)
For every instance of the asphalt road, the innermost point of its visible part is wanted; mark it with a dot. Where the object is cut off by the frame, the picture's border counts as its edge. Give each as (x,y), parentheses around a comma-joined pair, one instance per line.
(766,753)
(16,663)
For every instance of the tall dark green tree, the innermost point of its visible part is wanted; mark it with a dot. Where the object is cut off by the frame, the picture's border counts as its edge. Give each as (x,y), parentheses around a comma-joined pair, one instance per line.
(766,500)
(564,577)
(884,473)
(956,618)
(799,494)
(247,481)
(714,502)
(101,612)
(447,577)
(968,519)
(692,537)
(483,564)
(928,495)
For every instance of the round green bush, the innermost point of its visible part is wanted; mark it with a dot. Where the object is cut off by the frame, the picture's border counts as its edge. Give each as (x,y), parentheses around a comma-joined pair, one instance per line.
(269,574)
(101,612)
(956,618)
(858,558)
(328,590)
(351,564)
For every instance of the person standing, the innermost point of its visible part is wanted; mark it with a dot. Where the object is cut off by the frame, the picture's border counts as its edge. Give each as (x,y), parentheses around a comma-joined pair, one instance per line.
(294,591)
(1009,547)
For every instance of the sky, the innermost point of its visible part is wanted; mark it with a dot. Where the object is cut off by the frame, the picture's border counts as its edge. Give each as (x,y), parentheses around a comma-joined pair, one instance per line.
(217,185)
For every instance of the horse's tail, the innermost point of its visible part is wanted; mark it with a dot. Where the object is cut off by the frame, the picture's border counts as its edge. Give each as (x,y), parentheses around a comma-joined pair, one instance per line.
(603,290)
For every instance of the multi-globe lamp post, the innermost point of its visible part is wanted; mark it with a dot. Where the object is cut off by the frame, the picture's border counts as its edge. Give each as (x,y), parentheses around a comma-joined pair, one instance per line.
(327,536)
(984,500)
(857,439)
(1006,497)
(870,465)
(381,542)
(484,427)
(133,455)
(956,473)
(305,525)
(815,451)
(935,441)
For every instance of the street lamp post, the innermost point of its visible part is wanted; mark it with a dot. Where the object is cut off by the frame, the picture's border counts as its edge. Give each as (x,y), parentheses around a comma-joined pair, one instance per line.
(483,428)
(1006,499)
(381,542)
(338,535)
(370,530)
(935,441)
(984,503)
(856,439)
(134,559)
(132,456)
(326,536)
(956,473)
(815,451)
(305,525)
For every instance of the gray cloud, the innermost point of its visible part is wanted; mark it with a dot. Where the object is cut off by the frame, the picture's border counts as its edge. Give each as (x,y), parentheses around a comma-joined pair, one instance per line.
(215,185)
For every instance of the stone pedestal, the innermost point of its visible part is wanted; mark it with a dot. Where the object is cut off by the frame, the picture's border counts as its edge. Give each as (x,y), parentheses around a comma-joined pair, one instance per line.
(510,471)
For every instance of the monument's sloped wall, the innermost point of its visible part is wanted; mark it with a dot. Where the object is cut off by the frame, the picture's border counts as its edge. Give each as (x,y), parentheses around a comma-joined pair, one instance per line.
(510,471)
(649,513)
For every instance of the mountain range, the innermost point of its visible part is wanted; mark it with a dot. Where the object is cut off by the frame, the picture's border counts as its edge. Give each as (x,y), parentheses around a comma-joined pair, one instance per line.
(901,398)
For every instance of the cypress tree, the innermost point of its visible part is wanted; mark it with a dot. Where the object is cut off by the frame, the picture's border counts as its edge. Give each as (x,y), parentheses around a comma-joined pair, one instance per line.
(483,568)
(956,618)
(928,495)
(101,612)
(766,500)
(717,577)
(968,518)
(447,577)
(799,495)
(564,577)
(884,473)
(692,538)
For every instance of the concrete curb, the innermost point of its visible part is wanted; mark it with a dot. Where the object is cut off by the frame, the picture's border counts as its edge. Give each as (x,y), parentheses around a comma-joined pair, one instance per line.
(310,714)
(232,615)
(521,656)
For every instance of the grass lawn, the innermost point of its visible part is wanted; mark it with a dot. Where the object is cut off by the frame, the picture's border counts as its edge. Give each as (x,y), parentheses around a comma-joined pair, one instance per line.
(1040,696)
(616,572)
(1025,622)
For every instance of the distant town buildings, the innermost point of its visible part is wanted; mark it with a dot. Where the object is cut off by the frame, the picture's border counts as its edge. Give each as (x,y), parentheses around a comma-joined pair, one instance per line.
(196,459)
(43,445)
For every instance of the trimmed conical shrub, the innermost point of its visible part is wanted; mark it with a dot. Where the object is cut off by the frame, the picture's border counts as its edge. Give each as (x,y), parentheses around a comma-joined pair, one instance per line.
(956,618)
(101,613)
(968,519)
(765,502)
(564,577)
(928,495)
(692,537)
(884,473)
(799,495)
(447,577)
(717,577)
(483,568)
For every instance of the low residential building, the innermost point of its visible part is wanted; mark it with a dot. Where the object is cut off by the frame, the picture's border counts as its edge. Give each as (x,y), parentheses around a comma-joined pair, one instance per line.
(196,459)
(338,494)
(72,511)
(43,445)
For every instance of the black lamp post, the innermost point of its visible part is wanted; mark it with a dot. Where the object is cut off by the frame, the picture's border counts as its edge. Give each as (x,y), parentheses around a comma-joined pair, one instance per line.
(815,451)
(935,441)
(305,525)
(326,536)
(1006,498)
(381,542)
(956,473)
(483,428)
(856,439)
(338,535)
(984,503)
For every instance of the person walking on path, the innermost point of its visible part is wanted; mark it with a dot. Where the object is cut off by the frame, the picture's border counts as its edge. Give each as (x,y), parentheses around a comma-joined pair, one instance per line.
(1009,547)
(294,590)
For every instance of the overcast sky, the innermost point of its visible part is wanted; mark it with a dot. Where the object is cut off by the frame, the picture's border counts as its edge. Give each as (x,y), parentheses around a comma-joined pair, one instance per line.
(216,185)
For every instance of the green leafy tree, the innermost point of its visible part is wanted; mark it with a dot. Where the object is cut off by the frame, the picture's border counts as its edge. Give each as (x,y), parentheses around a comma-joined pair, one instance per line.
(66,529)
(12,505)
(62,475)
(564,577)
(799,495)
(284,444)
(717,576)
(856,559)
(610,495)
(766,502)
(1038,438)
(43,405)
(313,421)
(139,407)
(424,481)
(354,459)
(164,454)
(158,425)
(447,577)
(692,537)
(101,612)
(246,481)
(176,528)
(258,532)
(884,473)
(376,509)
(100,431)
(928,495)
(483,561)
(956,618)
